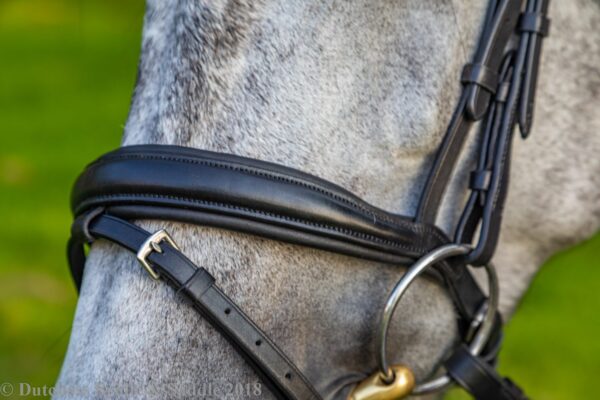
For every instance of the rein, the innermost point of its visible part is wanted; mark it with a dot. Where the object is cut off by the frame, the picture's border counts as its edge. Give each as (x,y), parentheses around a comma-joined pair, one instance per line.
(281,203)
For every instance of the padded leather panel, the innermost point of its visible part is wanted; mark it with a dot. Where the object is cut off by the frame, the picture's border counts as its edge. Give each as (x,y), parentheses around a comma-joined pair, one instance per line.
(202,187)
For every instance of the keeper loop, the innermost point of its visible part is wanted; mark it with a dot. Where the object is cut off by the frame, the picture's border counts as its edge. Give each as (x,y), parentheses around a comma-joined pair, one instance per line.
(535,23)
(480,179)
(480,75)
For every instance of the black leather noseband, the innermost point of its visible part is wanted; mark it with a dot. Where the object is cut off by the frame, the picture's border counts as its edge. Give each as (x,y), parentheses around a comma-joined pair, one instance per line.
(260,198)
(247,195)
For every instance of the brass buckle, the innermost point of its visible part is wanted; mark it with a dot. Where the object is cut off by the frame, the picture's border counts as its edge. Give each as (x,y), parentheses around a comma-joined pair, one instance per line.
(153,244)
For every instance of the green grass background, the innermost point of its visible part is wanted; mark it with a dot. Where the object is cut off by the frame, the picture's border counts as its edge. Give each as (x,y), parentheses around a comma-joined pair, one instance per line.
(67,69)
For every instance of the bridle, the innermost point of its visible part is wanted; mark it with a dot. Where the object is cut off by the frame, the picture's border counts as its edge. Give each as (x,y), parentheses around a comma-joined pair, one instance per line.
(273,201)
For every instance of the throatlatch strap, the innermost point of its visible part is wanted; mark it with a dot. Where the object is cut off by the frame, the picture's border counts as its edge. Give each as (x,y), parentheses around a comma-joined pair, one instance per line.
(280,374)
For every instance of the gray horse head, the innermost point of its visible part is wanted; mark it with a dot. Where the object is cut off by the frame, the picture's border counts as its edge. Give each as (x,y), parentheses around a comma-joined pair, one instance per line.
(358,93)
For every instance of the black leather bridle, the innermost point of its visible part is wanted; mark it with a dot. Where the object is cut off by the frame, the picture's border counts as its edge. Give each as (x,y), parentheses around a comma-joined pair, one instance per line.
(261,198)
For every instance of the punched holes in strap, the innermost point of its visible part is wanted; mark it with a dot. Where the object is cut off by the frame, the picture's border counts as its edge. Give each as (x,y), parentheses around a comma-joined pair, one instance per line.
(480,75)
(534,22)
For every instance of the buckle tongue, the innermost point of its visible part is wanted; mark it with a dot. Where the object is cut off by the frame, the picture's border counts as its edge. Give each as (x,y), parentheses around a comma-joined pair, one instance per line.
(151,244)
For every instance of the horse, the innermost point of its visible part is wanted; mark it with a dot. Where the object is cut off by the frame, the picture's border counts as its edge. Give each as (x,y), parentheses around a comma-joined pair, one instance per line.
(358,93)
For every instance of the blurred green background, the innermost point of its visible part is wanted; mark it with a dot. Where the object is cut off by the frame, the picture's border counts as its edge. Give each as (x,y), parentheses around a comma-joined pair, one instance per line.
(67,70)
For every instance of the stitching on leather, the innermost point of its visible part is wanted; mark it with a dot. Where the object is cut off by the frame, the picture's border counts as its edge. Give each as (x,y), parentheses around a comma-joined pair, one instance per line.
(265,174)
(350,232)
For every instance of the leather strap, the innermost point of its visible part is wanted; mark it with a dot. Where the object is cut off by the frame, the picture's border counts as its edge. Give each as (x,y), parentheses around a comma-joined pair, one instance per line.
(480,378)
(252,196)
(481,75)
(198,285)
(534,22)
(485,206)
(473,105)
(536,12)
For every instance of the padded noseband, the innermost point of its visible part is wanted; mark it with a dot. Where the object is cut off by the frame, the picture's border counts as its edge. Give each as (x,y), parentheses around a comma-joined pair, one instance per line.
(207,188)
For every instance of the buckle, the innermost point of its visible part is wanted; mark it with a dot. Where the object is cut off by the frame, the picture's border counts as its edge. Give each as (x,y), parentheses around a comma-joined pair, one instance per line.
(151,244)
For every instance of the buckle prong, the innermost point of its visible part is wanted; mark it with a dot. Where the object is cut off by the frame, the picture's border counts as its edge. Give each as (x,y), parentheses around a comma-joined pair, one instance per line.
(152,244)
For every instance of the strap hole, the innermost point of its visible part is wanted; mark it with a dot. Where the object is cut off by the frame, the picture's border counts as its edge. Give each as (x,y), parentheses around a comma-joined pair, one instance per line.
(258,342)
(288,376)
(228,311)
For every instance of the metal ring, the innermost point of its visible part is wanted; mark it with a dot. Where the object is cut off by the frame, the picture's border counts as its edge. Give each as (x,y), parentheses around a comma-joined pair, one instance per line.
(480,338)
